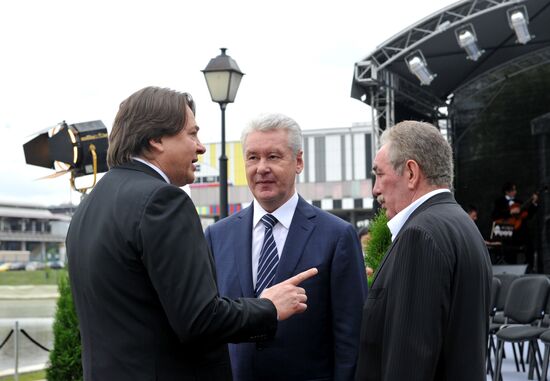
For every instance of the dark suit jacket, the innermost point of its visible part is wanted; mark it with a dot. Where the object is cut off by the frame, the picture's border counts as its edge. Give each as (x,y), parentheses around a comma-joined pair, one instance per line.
(522,235)
(427,312)
(501,208)
(144,285)
(322,343)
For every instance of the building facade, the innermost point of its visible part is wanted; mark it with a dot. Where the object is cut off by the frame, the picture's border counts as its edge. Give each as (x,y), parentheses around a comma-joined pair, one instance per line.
(31,232)
(337,174)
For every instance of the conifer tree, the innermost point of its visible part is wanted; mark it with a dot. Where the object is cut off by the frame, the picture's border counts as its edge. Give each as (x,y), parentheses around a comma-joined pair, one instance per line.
(65,357)
(380,240)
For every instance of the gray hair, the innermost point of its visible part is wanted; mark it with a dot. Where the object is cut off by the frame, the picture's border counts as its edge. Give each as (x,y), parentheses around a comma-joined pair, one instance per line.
(423,143)
(270,122)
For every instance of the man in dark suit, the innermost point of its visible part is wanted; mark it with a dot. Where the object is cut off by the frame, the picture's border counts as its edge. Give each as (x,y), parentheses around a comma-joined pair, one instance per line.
(321,344)
(141,273)
(508,205)
(510,210)
(427,311)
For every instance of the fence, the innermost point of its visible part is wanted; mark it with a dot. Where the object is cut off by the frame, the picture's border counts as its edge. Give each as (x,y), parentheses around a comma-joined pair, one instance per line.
(24,345)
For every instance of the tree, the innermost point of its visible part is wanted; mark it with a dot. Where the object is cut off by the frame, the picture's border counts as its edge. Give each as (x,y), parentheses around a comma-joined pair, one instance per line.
(65,358)
(380,240)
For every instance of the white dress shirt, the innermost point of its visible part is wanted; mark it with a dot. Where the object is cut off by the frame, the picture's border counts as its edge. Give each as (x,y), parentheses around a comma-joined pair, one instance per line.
(397,222)
(159,171)
(284,215)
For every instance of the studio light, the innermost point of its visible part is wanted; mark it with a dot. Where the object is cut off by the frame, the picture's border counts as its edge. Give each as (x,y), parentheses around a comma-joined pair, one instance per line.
(467,40)
(79,149)
(418,66)
(518,19)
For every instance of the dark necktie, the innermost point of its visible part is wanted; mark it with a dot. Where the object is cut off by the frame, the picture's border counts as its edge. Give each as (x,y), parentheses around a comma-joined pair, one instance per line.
(269,259)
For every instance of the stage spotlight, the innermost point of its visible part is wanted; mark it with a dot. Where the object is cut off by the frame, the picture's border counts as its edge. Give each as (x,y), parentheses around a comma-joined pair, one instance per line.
(467,40)
(518,19)
(418,66)
(79,149)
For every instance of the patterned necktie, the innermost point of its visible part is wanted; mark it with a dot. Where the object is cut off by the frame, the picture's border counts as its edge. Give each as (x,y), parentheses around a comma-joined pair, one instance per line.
(269,259)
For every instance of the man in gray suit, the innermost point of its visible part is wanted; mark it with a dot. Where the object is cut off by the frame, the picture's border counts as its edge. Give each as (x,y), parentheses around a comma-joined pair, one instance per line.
(322,344)
(426,314)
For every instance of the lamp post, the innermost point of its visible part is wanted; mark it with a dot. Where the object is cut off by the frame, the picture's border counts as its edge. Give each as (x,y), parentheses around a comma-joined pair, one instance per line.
(223,78)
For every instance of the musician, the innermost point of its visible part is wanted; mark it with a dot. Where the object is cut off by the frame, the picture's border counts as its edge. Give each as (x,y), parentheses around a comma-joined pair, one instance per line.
(472,212)
(509,209)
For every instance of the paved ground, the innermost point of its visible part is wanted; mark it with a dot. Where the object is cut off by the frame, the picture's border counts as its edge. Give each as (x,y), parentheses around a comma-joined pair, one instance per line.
(28,292)
(48,292)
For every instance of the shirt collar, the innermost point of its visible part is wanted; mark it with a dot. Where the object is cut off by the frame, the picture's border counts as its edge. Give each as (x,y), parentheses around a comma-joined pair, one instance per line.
(397,222)
(152,166)
(283,214)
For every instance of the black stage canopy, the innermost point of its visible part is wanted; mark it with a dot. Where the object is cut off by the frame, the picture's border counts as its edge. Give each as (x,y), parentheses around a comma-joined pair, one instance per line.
(489,98)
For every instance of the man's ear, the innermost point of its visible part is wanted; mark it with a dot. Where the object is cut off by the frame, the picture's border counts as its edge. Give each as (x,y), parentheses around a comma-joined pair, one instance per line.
(155,145)
(299,162)
(413,173)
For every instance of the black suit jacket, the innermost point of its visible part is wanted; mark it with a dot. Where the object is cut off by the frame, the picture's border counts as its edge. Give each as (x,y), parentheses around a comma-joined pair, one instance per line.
(501,208)
(427,312)
(144,285)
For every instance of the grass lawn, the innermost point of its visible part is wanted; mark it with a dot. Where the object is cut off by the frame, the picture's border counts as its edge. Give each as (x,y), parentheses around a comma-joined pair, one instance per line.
(33,376)
(22,278)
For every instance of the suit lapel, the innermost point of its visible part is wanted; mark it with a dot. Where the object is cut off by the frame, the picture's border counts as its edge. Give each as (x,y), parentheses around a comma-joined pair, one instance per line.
(243,250)
(301,227)
(388,253)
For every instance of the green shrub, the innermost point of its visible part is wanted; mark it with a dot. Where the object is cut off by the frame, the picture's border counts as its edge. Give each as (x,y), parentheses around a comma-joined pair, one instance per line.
(65,359)
(380,240)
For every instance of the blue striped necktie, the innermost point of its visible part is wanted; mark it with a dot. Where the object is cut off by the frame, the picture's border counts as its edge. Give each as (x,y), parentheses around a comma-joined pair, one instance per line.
(269,259)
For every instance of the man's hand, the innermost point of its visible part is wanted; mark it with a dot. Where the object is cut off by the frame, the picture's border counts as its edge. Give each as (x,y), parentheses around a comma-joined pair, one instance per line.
(288,298)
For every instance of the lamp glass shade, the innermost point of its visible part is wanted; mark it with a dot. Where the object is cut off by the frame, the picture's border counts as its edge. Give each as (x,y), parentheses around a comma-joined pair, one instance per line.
(223,85)
(218,84)
(234,85)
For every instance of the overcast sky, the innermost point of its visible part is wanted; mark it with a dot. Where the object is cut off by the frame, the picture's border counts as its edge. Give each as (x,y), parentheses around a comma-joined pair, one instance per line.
(77,60)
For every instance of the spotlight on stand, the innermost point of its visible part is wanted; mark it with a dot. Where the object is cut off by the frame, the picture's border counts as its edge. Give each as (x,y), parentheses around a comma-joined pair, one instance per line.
(79,149)
(467,40)
(518,19)
(418,66)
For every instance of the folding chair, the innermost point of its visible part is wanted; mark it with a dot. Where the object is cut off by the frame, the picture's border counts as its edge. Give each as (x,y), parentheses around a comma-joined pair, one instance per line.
(545,338)
(495,290)
(525,305)
(496,322)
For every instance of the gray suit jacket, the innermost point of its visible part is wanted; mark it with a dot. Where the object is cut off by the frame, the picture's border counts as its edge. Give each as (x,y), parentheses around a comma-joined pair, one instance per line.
(427,312)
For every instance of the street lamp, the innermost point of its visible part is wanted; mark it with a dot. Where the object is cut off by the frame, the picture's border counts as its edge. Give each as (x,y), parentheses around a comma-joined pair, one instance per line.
(223,78)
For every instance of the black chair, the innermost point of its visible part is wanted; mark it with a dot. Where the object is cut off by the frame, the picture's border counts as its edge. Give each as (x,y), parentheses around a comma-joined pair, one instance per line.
(497,320)
(495,294)
(525,305)
(506,280)
(491,348)
(545,338)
